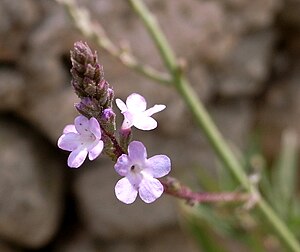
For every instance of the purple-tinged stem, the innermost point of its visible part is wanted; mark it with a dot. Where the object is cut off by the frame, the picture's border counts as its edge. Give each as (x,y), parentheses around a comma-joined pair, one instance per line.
(174,188)
(118,149)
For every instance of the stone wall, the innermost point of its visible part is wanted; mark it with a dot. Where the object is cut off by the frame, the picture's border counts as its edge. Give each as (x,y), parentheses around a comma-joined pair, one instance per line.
(242,59)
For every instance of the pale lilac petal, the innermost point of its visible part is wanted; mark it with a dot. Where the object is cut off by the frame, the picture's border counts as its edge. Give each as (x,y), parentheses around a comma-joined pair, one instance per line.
(137,152)
(154,109)
(128,120)
(121,105)
(94,127)
(69,141)
(150,189)
(82,124)
(144,123)
(77,157)
(95,151)
(70,128)
(136,103)
(123,165)
(125,192)
(158,166)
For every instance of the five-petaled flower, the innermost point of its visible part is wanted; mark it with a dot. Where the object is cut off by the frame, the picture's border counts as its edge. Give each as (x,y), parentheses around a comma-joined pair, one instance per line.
(82,139)
(140,174)
(135,113)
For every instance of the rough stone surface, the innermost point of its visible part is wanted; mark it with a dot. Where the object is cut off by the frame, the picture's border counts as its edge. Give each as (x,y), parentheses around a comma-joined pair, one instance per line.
(4,247)
(30,187)
(11,89)
(280,111)
(242,58)
(108,218)
(77,241)
(16,20)
(247,68)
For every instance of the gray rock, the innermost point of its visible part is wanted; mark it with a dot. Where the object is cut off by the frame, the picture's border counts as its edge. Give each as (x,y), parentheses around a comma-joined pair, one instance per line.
(30,187)
(235,120)
(170,239)
(48,87)
(12,88)
(16,20)
(78,241)
(5,247)
(248,66)
(280,111)
(50,112)
(245,16)
(106,217)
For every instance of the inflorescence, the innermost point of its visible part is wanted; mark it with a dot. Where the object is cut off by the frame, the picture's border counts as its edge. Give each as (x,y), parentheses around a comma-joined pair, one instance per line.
(95,131)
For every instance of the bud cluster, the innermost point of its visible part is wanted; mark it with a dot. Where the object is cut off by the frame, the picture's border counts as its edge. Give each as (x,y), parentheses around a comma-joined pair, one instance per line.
(96,96)
(88,81)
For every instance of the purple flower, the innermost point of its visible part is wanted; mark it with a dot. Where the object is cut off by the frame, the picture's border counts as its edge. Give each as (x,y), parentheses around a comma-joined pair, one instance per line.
(140,174)
(135,113)
(82,139)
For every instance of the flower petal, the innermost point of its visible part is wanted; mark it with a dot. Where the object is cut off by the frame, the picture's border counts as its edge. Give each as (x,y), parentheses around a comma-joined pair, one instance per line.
(82,124)
(136,103)
(156,108)
(137,152)
(123,165)
(150,189)
(144,123)
(125,192)
(77,157)
(158,166)
(121,105)
(128,120)
(69,141)
(94,127)
(70,128)
(95,151)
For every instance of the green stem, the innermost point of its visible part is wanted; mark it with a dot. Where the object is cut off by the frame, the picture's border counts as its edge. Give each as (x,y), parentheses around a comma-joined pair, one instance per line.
(158,37)
(205,122)
(95,32)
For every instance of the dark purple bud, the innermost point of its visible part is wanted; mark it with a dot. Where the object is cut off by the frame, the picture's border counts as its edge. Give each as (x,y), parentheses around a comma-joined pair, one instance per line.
(102,88)
(89,71)
(110,97)
(108,115)
(86,70)
(108,120)
(88,107)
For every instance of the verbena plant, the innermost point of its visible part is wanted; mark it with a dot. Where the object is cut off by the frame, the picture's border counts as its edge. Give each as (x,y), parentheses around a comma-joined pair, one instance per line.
(272,207)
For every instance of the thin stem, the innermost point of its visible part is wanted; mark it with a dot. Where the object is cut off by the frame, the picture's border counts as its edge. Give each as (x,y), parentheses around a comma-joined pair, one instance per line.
(118,149)
(205,122)
(176,189)
(95,32)
(158,37)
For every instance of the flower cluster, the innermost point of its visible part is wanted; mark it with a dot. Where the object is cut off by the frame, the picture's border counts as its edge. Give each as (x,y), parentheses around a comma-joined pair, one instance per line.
(94,131)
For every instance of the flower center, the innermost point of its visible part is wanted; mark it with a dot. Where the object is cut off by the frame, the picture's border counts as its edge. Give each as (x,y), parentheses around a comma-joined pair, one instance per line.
(87,138)
(135,168)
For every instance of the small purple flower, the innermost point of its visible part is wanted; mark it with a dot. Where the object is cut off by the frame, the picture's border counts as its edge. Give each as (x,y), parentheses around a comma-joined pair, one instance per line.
(135,113)
(140,174)
(82,139)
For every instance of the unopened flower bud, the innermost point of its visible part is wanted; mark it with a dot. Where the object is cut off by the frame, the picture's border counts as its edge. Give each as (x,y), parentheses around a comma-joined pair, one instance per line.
(86,71)
(108,120)
(88,107)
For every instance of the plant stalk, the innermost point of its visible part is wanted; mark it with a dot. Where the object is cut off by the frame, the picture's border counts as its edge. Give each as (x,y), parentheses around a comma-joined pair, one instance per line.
(205,122)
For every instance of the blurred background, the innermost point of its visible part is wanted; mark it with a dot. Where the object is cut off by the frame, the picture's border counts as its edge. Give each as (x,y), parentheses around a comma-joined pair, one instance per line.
(243,60)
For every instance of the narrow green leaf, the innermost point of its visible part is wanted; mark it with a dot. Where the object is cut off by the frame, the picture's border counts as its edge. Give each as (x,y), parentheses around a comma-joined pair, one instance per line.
(284,173)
